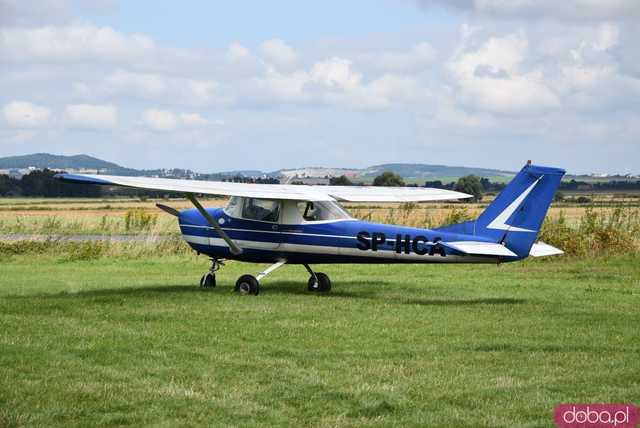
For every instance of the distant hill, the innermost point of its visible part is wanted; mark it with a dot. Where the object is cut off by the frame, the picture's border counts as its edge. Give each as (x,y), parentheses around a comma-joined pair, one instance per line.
(46,160)
(410,172)
(425,171)
(242,173)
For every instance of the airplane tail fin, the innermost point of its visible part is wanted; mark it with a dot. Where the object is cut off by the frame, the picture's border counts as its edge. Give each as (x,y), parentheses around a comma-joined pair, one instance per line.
(515,216)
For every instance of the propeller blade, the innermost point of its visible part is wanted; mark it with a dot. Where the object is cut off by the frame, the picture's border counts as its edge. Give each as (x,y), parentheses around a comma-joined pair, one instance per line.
(168,209)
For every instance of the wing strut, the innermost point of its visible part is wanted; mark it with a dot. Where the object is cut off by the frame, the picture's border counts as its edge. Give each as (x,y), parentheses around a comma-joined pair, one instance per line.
(235,249)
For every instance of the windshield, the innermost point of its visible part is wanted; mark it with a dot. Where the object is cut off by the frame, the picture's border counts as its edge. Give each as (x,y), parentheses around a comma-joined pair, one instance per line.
(322,210)
(234,207)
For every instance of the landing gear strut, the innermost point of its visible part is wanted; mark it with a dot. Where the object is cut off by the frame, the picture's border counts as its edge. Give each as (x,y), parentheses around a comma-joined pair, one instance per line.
(318,282)
(208,280)
(248,284)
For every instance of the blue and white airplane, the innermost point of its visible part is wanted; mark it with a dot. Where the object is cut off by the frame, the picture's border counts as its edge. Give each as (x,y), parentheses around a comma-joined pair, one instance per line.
(305,225)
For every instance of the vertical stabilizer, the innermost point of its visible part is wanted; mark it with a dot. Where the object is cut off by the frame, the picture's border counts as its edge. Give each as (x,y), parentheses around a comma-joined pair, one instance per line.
(515,216)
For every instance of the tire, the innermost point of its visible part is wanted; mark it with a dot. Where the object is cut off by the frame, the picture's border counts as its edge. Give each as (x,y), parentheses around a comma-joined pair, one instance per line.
(247,284)
(323,285)
(208,280)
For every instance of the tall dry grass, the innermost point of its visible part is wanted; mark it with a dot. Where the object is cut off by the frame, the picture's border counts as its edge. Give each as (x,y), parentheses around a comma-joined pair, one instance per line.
(586,232)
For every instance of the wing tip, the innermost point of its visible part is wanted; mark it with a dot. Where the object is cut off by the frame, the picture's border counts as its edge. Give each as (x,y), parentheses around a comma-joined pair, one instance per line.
(79,178)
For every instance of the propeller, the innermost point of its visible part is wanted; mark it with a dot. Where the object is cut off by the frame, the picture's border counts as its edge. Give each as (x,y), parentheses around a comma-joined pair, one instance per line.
(168,209)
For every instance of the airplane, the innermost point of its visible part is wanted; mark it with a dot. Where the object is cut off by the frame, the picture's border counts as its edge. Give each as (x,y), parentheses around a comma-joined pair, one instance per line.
(305,225)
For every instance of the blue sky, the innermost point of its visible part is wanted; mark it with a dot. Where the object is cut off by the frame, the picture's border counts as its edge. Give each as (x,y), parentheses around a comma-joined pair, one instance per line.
(265,85)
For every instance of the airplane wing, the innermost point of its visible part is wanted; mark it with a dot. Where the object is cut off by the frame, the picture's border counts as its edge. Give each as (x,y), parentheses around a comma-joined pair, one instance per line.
(273,191)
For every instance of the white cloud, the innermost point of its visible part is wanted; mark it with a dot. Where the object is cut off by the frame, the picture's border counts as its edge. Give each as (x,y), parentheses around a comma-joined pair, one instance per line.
(91,116)
(421,56)
(277,52)
(564,10)
(608,35)
(333,75)
(41,12)
(73,43)
(197,120)
(493,77)
(334,81)
(21,114)
(87,43)
(237,52)
(160,120)
(336,73)
(165,120)
(157,86)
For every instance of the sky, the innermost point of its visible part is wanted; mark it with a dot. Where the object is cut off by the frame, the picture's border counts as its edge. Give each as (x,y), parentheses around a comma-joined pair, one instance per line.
(218,86)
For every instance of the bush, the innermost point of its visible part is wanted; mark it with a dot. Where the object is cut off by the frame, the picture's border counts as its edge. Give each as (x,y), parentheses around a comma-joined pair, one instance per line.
(457,215)
(388,178)
(597,232)
(583,200)
(139,219)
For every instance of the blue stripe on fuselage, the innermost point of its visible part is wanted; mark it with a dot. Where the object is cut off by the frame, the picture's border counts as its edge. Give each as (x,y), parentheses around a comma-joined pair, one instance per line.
(338,234)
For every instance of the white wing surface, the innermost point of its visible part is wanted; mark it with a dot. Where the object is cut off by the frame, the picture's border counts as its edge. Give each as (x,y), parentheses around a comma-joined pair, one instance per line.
(273,191)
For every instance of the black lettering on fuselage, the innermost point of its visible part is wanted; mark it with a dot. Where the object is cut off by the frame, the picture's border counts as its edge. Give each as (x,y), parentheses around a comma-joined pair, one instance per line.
(419,245)
(377,239)
(419,250)
(398,246)
(363,240)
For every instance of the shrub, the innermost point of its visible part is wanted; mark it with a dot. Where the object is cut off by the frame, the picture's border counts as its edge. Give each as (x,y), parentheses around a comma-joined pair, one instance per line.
(597,232)
(457,215)
(139,219)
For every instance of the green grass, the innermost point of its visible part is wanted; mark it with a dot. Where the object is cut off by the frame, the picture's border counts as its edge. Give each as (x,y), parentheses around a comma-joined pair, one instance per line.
(118,342)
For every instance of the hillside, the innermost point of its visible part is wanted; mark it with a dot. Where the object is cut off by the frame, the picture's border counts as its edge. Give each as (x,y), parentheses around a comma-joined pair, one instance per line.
(410,172)
(46,160)
(425,171)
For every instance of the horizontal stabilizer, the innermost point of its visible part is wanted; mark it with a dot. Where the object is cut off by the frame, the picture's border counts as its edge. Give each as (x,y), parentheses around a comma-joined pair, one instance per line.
(480,248)
(540,249)
(168,209)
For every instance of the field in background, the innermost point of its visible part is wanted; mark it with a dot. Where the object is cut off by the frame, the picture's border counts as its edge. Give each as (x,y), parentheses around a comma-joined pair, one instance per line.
(108,216)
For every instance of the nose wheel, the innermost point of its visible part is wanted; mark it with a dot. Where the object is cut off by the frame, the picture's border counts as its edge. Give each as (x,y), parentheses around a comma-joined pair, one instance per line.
(208,280)
(318,282)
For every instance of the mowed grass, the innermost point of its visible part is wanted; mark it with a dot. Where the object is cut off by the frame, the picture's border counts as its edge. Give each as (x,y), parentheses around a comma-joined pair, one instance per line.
(133,342)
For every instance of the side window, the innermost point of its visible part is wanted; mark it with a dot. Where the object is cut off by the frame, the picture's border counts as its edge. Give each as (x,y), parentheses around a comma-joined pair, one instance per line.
(261,209)
(321,210)
(307,209)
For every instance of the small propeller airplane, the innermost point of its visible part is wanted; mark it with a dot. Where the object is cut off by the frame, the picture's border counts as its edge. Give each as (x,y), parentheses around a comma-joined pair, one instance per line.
(305,225)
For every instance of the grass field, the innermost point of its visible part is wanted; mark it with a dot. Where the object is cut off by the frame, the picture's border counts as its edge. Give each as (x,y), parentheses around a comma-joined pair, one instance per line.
(117,333)
(132,342)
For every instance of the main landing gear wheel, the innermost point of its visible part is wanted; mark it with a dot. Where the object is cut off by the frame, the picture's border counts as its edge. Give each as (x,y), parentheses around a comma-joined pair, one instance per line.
(320,283)
(248,284)
(208,280)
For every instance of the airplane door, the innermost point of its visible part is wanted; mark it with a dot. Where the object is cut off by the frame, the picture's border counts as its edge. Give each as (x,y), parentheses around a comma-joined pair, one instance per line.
(260,223)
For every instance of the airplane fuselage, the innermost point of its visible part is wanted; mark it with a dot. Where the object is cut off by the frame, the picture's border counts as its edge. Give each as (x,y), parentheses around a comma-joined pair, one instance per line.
(337,241)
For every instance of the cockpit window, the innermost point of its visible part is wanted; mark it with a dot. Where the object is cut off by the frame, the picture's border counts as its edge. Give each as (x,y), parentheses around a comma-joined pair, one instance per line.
(233,207)
(261,209)
(321,210)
